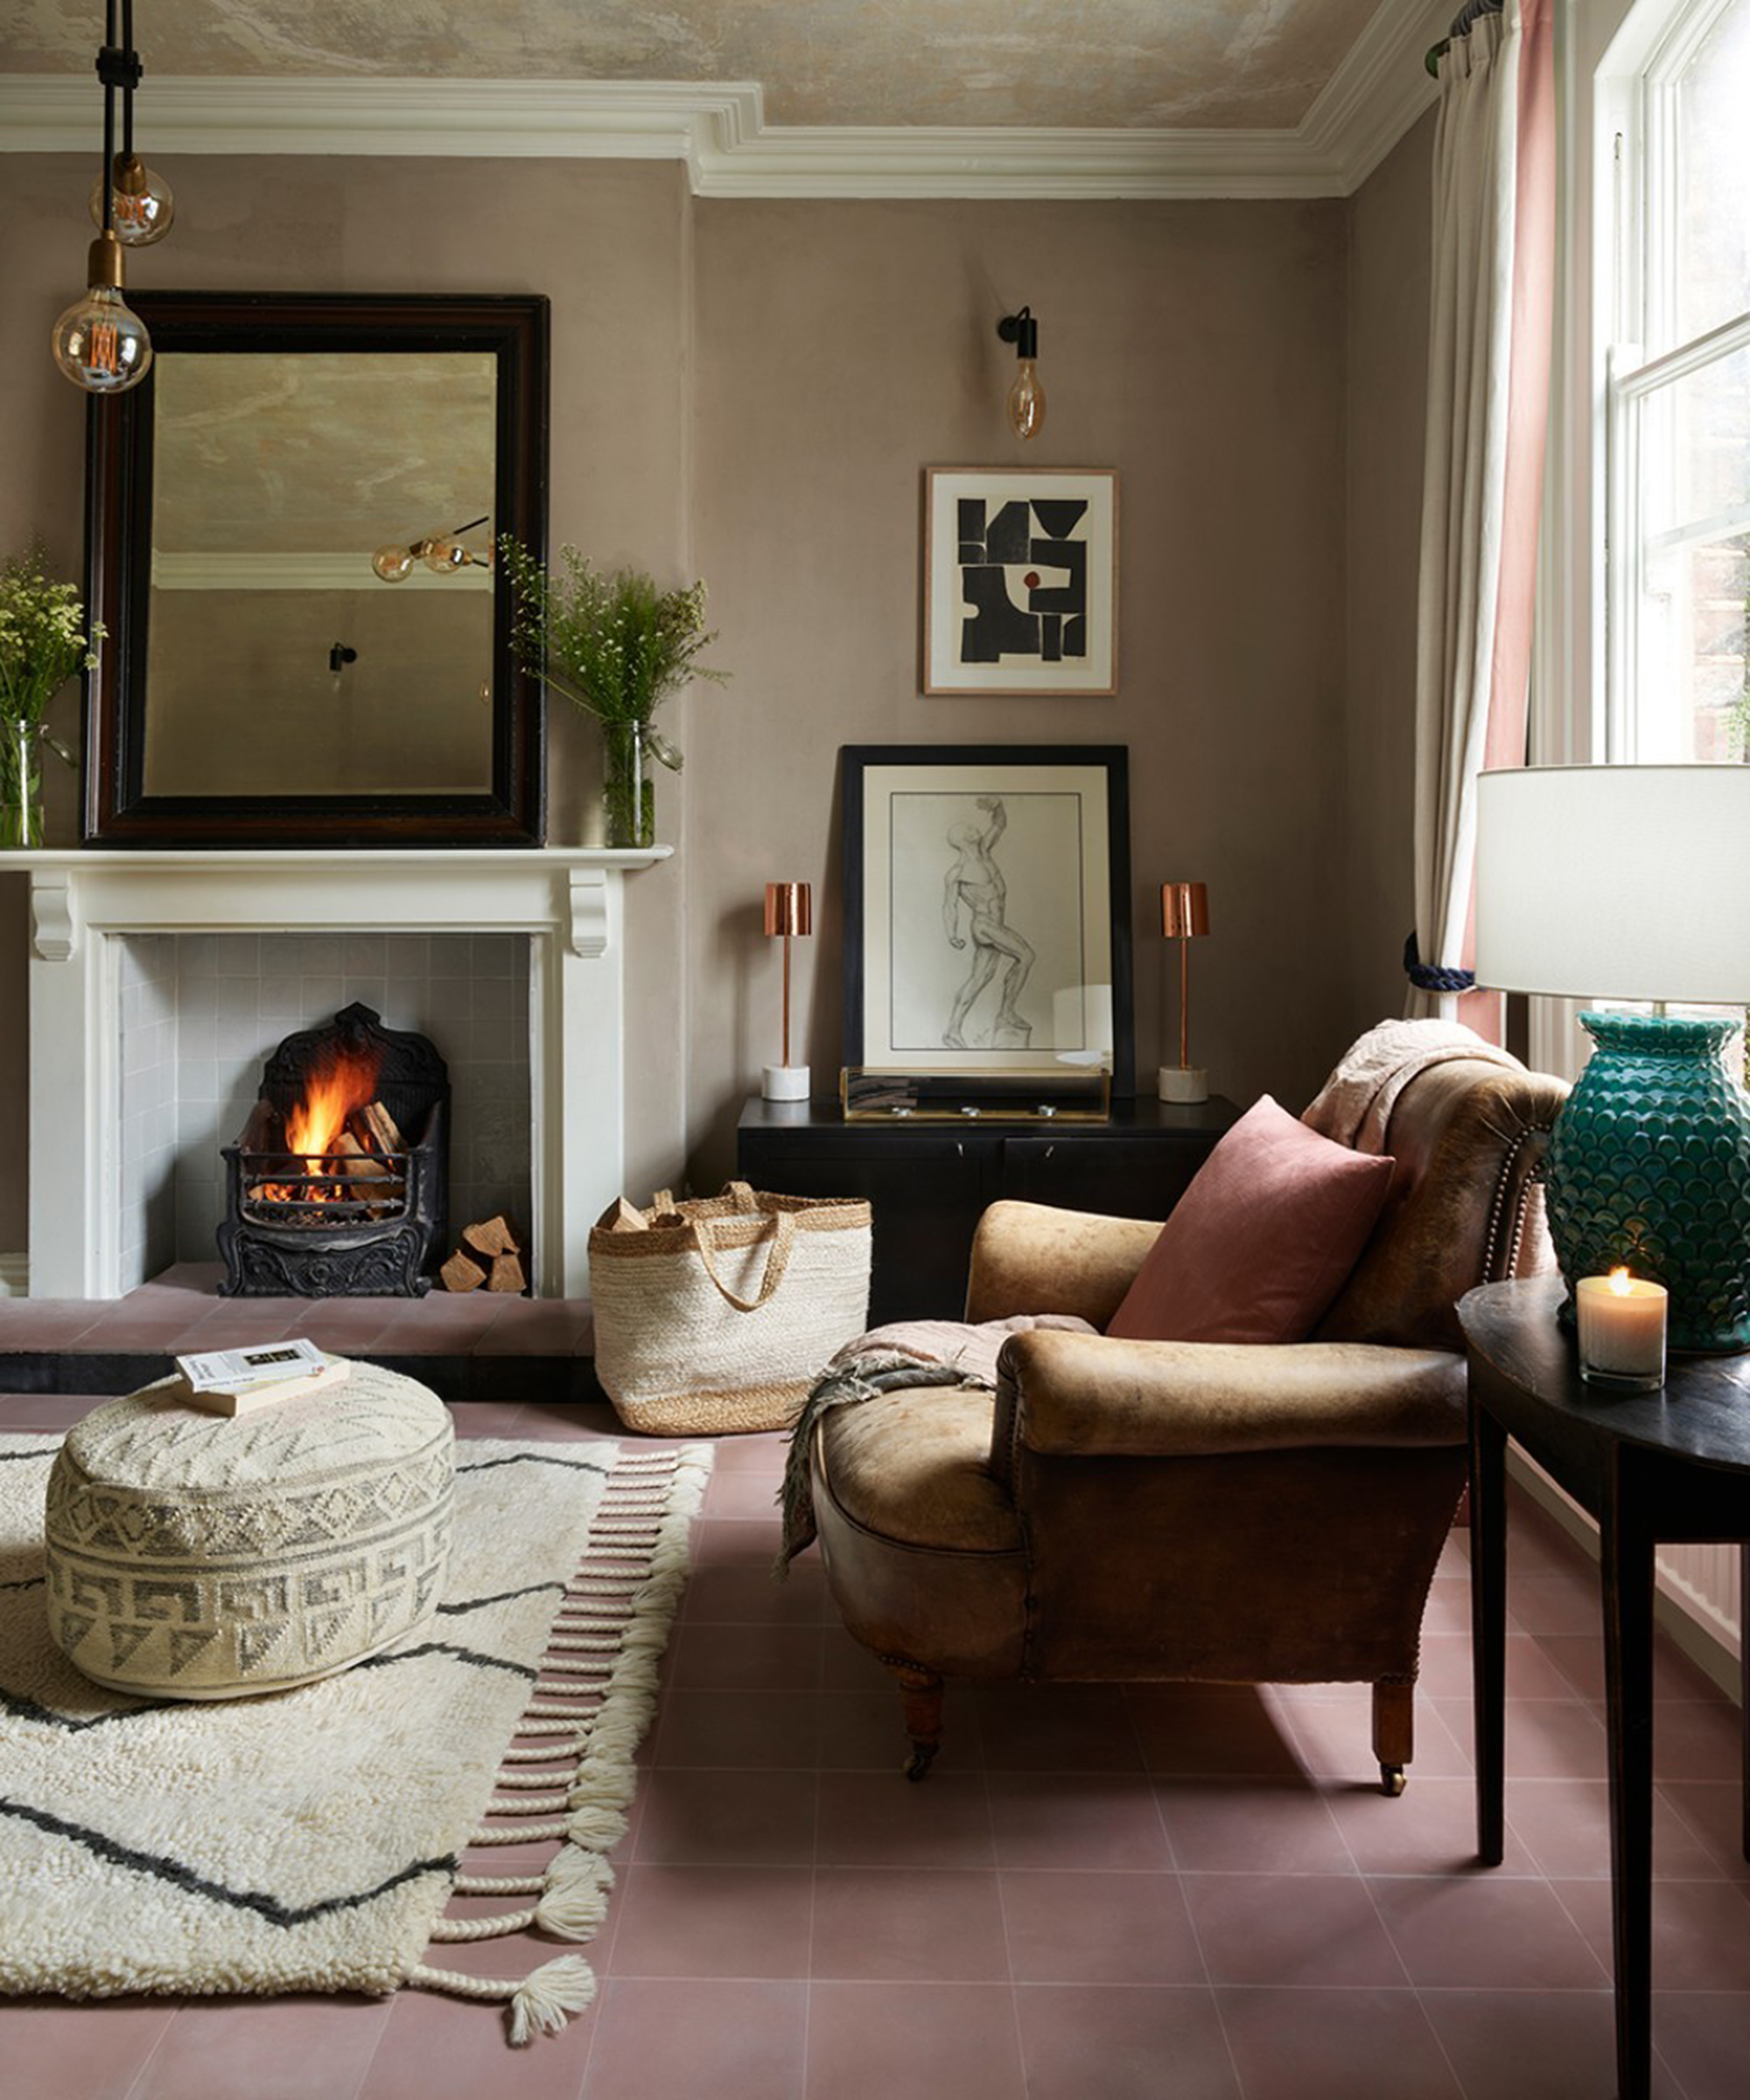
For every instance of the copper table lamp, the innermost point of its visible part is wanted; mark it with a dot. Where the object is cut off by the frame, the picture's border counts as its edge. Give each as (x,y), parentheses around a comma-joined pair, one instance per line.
(788,911)
(1184,918)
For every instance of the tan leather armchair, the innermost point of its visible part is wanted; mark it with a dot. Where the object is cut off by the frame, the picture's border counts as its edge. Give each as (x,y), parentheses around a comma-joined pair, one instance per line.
(1126,1511)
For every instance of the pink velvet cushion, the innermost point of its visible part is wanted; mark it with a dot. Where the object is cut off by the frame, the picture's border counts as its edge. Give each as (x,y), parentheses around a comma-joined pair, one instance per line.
(1262,1242)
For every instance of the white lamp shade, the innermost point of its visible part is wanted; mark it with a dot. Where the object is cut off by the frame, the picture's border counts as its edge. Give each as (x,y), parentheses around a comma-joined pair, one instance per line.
(1615,882)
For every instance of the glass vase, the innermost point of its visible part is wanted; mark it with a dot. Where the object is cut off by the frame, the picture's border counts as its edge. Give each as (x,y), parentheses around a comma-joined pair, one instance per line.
(21,785)
(629,792)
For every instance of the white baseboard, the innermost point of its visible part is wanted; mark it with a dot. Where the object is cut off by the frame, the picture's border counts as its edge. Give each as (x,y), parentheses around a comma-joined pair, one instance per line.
(1707,1646)
(14,1275)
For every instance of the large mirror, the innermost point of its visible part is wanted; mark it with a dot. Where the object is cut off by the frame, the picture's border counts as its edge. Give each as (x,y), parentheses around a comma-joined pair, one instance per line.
(291,531)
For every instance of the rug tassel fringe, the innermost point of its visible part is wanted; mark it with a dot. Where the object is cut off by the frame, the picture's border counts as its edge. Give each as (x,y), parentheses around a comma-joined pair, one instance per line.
(541,2004)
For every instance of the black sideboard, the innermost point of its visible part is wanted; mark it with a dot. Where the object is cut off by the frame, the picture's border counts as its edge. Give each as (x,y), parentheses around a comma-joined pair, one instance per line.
(930,1182)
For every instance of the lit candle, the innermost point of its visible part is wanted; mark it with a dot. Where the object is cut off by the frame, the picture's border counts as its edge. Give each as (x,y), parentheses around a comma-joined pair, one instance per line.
(1622,1329)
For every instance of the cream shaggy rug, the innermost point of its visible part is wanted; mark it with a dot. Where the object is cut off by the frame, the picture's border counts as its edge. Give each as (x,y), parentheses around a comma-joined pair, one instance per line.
(310,1840)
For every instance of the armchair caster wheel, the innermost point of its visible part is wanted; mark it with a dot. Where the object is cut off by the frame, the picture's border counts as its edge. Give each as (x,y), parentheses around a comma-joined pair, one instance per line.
(1391,1779)
(918,1764)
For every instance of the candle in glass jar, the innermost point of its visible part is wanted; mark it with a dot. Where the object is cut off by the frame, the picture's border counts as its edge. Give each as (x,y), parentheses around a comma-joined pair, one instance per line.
(1621,1329)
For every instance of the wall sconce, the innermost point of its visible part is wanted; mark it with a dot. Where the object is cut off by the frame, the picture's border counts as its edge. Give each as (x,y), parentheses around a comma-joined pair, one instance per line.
(1027,396)
(394,563)
(100,342)
(789,911)
(1184,918)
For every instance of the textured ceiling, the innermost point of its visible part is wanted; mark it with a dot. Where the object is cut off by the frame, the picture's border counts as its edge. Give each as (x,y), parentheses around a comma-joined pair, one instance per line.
(1199,64)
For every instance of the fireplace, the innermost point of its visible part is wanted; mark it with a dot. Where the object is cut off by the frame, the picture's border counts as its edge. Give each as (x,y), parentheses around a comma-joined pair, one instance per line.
(337,1185)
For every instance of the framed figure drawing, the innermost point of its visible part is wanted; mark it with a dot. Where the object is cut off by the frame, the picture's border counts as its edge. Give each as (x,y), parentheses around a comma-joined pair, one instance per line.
(1020,580)
(987,908)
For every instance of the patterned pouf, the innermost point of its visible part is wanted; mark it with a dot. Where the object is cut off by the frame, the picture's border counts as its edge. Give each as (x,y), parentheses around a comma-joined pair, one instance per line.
(194,1556)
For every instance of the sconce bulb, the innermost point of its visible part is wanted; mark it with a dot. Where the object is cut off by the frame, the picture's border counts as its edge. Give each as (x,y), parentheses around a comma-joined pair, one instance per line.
(445,556)
(1026,400)
(141,202)
(393,564)
(100,342)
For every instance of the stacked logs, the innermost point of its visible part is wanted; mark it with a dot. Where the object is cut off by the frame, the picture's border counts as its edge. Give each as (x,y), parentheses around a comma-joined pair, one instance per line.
(490,1256)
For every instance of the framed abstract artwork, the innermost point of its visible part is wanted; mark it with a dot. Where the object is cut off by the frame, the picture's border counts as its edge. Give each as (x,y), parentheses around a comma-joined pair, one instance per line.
(1020,580)
(987,908)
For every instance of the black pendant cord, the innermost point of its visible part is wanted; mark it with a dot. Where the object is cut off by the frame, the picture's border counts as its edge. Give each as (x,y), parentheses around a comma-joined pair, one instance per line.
(128,92)
(109,123)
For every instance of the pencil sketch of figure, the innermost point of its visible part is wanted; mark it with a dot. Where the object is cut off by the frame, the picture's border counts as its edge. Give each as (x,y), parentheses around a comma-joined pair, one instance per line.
(975,884)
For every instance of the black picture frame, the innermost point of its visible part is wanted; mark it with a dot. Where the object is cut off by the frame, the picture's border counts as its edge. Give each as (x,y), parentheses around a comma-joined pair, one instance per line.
(1077,812)
(116,810)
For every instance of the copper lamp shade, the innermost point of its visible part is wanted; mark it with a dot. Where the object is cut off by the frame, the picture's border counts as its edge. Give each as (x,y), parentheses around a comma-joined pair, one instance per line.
(788,908)
(1184,910)
(1185,918)
(789,911)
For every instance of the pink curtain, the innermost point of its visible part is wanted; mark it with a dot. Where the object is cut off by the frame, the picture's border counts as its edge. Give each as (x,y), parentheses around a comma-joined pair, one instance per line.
(1494,235)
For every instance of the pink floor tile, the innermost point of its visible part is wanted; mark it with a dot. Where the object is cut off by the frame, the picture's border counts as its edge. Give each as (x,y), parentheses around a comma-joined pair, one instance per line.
(881,1819)
(1448,1608)
(1429,1829)
(1696,1740)
(1701,1931)
(438,2048)
(1057,1728)
(900,1925)
(1531,1670)
(1336,2045)
(1333,1732)
(1553,1604)
(1089,2042)
(50,2050)
(846,1665)
(1567,1827)
(1486,1933)
(1579,1657)
(743,1729)
(713,1921)
(1290,1929)
(750,1658)
(1532,2044)
(661,2040)
(283,2049)
(727,1818)
(738,1495)
(1546,1738)
(1715,1813)
(1705,2040)
(749,1593)
(1217,1731)
(1047,1819)
(1251,1826)
(865,1732)
(924,2042)
(1066,1928)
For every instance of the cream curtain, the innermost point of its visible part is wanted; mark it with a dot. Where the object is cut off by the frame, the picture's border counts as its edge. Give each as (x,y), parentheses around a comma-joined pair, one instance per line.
(1488,366)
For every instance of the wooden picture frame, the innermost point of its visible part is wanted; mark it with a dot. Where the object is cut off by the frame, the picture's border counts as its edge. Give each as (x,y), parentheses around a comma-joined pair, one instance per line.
(987,908)
(1021,581)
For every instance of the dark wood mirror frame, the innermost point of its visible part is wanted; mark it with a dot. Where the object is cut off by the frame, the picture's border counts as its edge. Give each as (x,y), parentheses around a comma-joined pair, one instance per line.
(117,811)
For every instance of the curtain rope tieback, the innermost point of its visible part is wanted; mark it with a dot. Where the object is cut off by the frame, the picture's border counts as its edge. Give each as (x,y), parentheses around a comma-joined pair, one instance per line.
(1429,976)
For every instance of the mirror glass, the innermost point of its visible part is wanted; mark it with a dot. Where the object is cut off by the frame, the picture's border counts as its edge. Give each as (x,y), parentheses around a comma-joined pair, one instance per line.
(274,482)
(291,526)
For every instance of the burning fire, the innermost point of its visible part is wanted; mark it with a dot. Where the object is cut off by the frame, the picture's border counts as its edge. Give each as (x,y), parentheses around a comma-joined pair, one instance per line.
(335,1089)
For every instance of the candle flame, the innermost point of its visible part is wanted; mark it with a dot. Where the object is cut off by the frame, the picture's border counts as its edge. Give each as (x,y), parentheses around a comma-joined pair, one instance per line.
(1619,1281)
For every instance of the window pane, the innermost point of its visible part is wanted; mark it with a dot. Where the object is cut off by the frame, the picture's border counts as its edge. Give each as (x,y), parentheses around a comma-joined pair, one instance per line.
(1689,699)
(1711,262)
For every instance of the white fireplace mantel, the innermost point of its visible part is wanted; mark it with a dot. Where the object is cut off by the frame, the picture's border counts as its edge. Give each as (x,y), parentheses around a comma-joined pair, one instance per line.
(568,900)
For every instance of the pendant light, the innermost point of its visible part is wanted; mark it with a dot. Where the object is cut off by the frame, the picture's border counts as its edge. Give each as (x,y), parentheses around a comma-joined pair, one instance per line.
(141,207)
(1027,396)
(444,553)
(100,342)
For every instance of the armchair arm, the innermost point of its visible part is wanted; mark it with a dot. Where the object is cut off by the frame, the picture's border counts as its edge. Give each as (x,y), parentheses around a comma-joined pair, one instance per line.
(1091,1395)
(1028,1257)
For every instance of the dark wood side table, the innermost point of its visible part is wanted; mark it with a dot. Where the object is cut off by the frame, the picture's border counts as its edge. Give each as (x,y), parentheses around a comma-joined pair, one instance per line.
(930,1181)
(1672,1465)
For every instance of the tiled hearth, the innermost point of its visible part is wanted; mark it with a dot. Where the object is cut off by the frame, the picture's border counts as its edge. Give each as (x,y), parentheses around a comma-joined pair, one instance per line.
(1166,1893)
(481,1346)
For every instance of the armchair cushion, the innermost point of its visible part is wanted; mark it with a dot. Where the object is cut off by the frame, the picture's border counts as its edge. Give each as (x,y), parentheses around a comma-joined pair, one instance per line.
(1262,1242)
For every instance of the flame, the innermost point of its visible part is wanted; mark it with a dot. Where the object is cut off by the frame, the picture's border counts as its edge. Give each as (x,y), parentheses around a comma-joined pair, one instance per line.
(341,1083)
(1619,1282)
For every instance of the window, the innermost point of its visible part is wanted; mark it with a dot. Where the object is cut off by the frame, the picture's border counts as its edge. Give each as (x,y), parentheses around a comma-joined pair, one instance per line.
(1678,529)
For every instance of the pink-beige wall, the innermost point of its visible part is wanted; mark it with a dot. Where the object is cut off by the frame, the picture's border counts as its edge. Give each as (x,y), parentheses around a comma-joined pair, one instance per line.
(749,391)
(1387,382)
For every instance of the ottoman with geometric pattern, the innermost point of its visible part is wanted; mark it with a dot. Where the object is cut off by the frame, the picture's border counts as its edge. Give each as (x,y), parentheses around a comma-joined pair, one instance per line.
(205,1556)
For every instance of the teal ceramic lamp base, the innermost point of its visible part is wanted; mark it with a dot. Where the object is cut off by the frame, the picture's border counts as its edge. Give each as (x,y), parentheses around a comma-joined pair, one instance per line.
(1649,1167)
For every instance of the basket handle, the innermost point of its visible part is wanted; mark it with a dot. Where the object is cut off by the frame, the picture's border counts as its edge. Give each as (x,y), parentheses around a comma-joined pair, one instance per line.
(741,1195)
(776,1262)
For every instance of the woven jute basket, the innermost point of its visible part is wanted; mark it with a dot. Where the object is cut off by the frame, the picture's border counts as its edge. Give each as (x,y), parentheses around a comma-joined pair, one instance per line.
(718,1314)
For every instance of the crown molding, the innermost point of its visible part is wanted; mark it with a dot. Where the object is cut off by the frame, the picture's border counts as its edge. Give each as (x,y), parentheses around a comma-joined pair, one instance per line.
(252,571)
(719,130)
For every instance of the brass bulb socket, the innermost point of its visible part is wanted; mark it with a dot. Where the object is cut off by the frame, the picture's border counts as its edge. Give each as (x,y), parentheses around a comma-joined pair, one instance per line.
(128,175)
(103,264)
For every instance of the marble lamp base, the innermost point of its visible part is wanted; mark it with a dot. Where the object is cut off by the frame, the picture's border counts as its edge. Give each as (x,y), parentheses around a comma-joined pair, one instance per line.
(1182,1083)
(784,1083)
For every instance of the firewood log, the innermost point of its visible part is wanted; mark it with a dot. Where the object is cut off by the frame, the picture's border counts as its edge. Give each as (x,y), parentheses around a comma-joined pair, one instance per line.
(370,1180)
(461,1274)
(491,1236)
(507,1274)
(380,1127)
(620,1216)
